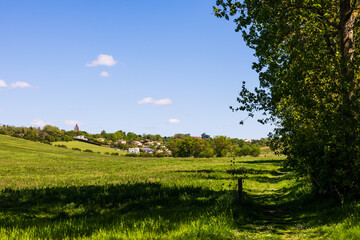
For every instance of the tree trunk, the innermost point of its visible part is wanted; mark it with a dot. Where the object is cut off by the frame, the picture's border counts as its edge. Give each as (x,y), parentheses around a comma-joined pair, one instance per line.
(346,28)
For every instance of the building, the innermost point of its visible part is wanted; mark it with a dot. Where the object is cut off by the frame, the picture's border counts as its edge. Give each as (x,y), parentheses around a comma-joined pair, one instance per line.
(136,143)
(148,150)
(76,128)
(81,138)
(196,137)
(121,141)
(134,150)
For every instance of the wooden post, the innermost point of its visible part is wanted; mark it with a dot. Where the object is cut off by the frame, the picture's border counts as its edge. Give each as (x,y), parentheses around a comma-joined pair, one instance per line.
(240,189)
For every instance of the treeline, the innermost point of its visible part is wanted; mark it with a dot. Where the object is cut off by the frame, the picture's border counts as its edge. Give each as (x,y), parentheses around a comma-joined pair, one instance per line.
(46,134)
(50,133)
(219,146)
(180,145)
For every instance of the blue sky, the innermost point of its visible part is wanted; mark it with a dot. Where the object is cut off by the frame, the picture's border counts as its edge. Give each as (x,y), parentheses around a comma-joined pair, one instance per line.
(158,67)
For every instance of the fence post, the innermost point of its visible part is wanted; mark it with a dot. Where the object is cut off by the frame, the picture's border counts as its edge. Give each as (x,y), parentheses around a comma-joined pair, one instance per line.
(240,189)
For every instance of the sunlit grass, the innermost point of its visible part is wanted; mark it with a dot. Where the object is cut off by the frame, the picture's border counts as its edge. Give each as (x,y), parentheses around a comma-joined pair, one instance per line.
(83,146)
(48,192)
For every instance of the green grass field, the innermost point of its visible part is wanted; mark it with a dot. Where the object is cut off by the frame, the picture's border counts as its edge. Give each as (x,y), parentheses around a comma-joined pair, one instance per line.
(83,146)
(48,192)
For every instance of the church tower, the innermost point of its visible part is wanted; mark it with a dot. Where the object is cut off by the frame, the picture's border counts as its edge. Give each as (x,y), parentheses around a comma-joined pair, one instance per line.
(76,128)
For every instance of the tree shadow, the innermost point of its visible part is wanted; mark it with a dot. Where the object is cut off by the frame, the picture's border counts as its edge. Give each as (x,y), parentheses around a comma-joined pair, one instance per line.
(275,162)
(196,171)
(102,207)
(254,171)
(286,211)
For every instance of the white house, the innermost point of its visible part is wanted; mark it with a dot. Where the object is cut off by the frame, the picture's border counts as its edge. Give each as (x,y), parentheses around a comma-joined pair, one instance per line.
(136,143)
(121,141)
(134,150)
(81,138)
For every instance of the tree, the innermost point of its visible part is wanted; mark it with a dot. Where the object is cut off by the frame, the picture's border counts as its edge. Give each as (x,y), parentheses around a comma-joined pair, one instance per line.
(309,83)
(205,136)
(221,145)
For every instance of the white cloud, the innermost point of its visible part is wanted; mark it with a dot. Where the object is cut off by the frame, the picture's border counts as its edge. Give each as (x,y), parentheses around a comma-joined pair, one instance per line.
(146,100)
(20,85)
(174,120)
(3,83)
(103,59)
(104,74)
(72,122)
(39,123)
(165,101)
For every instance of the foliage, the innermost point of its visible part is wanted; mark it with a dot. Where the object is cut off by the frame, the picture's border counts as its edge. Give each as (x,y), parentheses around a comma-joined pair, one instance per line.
(309,84)
(221,145)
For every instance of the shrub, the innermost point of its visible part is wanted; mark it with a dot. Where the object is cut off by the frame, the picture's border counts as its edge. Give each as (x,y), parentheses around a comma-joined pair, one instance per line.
(107,153)
(88,150)
(115,153)
(62,146)
(207,153)
(76,149)
(131,155)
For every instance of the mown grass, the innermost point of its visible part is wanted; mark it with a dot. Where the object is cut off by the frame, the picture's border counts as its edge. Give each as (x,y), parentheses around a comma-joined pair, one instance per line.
(51,193)
(83,146)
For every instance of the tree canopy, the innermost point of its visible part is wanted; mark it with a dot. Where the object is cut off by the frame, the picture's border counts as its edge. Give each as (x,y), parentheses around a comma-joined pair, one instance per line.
(309,86)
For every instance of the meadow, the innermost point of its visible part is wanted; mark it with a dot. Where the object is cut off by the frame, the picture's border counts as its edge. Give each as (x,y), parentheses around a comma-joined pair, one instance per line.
(84,146)
(48,192)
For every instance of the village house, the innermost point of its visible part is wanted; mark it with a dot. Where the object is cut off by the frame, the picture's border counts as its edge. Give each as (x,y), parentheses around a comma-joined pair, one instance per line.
(134,150)
(136,143)
(148,150)
(197,137)
(82,137)
(121,141)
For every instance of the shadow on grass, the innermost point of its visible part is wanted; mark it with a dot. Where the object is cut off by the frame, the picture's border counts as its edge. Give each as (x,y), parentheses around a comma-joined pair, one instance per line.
(287,211)
(274,162)
(253,171)
(91,208)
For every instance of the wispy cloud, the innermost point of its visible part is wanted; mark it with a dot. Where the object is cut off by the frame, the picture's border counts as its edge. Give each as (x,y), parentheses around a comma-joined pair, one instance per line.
(174,121)
(72,122)
(165,101)
(3,83)
(104,60)
(39,123)
(20,85)
(104,74)
(147,100)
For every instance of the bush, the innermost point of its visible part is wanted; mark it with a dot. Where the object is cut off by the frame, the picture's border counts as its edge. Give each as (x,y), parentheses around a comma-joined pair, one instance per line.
(2,131)
(88,150)
(208,153)
(62,146)
(107,153)
(76,149)
(131,155)
(115,153)
(146,155)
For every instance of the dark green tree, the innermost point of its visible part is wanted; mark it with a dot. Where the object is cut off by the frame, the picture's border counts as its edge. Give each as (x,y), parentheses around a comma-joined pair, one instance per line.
(221,145)
(309,83)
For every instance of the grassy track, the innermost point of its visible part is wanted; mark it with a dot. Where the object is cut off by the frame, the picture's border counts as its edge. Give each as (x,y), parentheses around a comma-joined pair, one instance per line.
(48,192)
(83,146)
